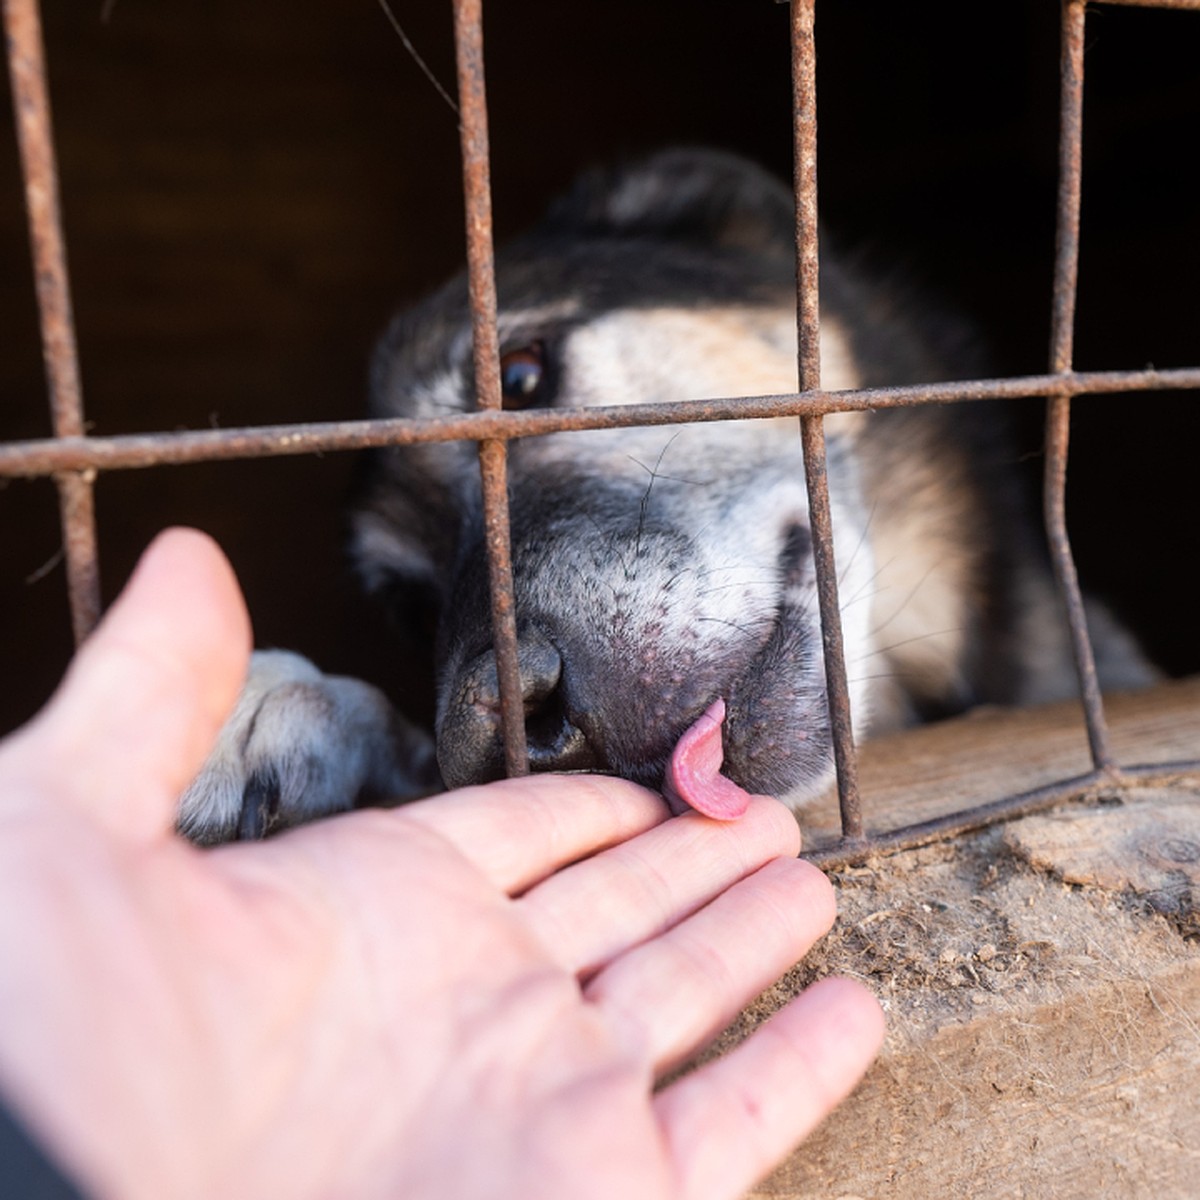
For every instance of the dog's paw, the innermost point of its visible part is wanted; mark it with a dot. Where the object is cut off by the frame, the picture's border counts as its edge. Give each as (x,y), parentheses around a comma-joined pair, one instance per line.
(300,745)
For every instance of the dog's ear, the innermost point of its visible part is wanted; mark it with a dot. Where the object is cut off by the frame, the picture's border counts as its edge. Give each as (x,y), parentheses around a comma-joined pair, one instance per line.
(396,569)
(702,196)
(386,554)
(401,528)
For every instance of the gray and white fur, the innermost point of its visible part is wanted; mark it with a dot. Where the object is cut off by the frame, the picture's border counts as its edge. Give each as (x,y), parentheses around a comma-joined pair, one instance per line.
(659,568)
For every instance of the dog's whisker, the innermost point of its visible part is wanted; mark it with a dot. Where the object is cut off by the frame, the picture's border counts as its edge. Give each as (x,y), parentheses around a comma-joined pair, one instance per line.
(764,584)
(645,501)
(743,629)
(858,545)
(921,637)
(916,587)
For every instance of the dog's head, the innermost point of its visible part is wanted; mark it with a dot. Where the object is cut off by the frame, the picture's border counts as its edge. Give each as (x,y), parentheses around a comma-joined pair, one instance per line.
(656,569)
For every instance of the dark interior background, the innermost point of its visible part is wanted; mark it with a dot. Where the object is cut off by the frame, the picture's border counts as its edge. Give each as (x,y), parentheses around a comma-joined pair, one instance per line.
(251,188)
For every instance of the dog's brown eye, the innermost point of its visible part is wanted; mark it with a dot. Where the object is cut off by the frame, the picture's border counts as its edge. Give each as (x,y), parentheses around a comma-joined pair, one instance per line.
(522,375)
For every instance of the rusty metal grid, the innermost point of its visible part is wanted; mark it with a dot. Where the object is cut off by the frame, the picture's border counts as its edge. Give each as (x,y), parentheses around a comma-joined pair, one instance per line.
(73,458)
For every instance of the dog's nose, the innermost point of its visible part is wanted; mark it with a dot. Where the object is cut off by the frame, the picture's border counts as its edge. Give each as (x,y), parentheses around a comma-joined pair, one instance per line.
(469,745)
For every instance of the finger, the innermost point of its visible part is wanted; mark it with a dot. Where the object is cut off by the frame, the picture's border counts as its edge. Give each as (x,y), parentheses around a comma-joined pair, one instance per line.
(731,1121)
(519,831)
(677,992)
(617,899)
(142,702)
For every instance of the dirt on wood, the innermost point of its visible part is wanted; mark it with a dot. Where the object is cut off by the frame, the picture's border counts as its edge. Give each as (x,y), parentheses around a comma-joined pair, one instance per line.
(1042,987)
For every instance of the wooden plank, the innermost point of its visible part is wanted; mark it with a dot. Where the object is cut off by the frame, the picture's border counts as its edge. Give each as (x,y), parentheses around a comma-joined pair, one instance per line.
(1041,979)
(924,773)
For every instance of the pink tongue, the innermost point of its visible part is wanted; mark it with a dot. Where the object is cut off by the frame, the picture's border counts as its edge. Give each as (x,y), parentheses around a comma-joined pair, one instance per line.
(693,773)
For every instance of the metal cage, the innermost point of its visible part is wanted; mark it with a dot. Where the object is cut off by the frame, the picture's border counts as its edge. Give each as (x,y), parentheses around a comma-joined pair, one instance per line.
(73,458)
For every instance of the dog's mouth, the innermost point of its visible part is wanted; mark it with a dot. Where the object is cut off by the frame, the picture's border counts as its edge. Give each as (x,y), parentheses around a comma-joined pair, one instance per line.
(775,736)
(693,780)
(640,708)
(767,731)
(693,777)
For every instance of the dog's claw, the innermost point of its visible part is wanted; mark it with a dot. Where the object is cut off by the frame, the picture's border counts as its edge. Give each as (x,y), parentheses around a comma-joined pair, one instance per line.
(260,808)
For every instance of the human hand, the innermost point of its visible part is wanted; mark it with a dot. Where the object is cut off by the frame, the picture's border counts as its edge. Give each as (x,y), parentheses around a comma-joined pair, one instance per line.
(470,996)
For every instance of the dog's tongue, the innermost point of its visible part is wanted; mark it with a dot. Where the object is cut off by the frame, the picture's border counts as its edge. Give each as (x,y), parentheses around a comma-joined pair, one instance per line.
(694,771)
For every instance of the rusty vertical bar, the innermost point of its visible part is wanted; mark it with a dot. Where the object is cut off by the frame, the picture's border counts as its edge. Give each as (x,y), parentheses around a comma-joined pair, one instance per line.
(493,453)
(27,68)
(1058,407)
(812,431)
(804,132)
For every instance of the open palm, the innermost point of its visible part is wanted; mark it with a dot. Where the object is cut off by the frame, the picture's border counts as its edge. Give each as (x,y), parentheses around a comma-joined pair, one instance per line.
(472,996)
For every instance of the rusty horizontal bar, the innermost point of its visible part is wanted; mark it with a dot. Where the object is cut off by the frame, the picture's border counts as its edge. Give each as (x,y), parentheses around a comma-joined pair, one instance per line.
(1007,808)
(39,457)
(1191,5)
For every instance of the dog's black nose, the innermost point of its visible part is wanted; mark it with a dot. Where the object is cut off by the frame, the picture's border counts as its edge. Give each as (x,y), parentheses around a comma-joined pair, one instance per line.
(469,745)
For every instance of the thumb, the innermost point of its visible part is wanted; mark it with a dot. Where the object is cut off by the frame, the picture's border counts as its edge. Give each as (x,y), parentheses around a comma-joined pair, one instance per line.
(146,694)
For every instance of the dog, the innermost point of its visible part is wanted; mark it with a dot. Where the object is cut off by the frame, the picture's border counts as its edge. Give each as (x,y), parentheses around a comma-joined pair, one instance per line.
(659,569)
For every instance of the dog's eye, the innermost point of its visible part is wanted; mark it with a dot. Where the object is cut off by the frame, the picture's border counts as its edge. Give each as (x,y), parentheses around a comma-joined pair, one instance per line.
(523,375)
